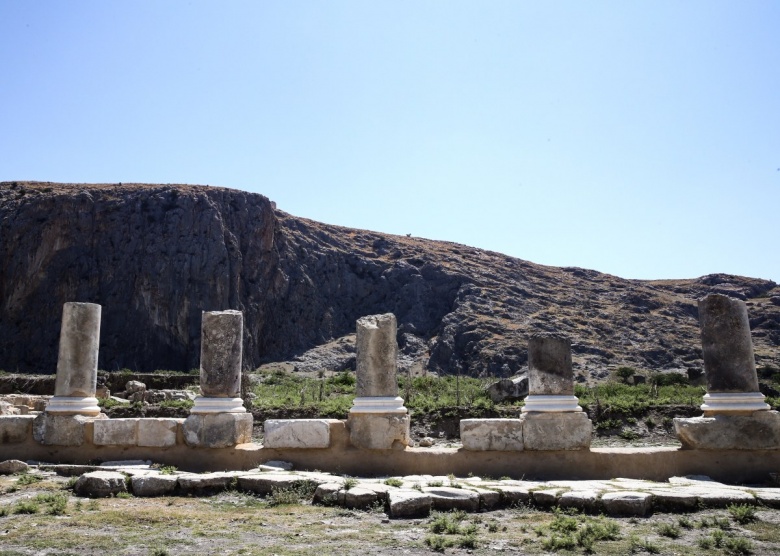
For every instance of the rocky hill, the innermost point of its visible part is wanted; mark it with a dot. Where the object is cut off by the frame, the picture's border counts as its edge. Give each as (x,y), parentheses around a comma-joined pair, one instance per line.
(155,256)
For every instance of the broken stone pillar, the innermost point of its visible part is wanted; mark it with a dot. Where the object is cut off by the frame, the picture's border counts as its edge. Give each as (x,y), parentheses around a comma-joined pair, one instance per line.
(75,385)
(729,365)
(378,418)
(221,345)
(218,418)
(735,415)
(552,417)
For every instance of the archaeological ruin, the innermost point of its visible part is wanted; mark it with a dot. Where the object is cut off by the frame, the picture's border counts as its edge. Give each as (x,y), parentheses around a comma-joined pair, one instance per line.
(737,438)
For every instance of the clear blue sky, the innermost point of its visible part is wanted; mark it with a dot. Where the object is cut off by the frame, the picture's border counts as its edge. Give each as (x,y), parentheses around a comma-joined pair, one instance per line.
(640,139)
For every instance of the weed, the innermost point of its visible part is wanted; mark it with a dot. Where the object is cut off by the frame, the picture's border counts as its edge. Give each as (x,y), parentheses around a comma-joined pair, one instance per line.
(669,530)
(57,502)
(742,513)
(492,527)
(738,545)
(647,545)
(437,543)
(467,541)
(705,542)
(685,522)
(28,479)
(159,552)
(628,434)
(71,483)
(27,507)
(394,482)
(350,482)
(177,404)
(284,497)
(124,495)
(168,469)
(436,483)
(555,542)
(650,423)
(718,537)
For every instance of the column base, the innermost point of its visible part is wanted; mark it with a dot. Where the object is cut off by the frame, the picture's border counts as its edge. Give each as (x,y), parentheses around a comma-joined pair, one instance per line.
(733,402)
(206,406)
(378,404)
(379,431)
(71,405)
(759,430)
(551,404)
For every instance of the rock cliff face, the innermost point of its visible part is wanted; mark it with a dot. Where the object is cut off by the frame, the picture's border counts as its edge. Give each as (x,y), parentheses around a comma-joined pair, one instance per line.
(155,256)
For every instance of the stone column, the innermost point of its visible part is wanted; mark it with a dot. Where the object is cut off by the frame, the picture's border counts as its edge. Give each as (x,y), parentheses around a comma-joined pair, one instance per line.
(218,418)
(550,376)
(729,365)
(75,385)
(552,418)
(378,418)
(735,415)
(221,350)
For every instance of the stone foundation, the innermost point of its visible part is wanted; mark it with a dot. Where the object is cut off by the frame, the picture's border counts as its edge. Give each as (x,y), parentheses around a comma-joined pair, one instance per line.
(217,430)
(492,434)
(379,431)
(757,431)
(556,431)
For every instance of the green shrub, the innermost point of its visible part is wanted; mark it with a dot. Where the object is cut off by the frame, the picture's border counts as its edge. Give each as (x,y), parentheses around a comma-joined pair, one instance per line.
(742,513)
(624,373)
(177,404)
(738,545)
(27,507)
(394,482)
(669,530)
(28,479)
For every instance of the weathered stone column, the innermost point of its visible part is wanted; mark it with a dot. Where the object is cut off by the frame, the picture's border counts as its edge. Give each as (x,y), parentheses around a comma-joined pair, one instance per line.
(729,364)
(75,385)
(378,418)
(221,352)
(70,414)
(735,415)
(552,417)
(218,418)
(550,376)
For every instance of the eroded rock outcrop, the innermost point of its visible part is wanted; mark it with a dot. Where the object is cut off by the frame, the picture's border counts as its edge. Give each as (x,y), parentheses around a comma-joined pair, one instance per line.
(156,256)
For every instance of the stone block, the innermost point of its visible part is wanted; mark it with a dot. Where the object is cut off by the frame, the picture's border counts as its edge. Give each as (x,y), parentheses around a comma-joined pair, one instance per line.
(153,485)
(115,432)
(556,431)
(297,433)
(376,431)
(158,432)
(513,494)
(448,498)
(627,503)
(546,498)
(266,483)
(358,498)
(491,434)
(584,500)
(205,483)
(15,428)
(217,430)
(11,466)
(63,430)
(757,431)
(329,494)
(100,484)
(408,503)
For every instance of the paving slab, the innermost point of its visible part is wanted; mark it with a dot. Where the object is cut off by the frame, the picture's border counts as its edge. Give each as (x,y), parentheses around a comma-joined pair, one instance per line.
(448,498)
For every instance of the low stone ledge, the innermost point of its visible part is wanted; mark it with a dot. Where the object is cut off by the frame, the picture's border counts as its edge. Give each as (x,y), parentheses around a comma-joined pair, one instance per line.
(15,429)
(116,432)
(158,432)
(491,434)
(297,433)
(757,431)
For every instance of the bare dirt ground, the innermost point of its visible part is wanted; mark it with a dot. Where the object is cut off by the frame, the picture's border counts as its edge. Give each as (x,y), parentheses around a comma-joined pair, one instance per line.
(43,517)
